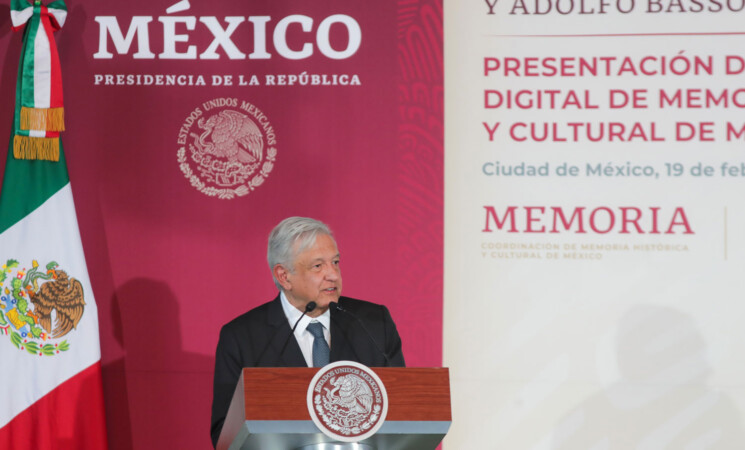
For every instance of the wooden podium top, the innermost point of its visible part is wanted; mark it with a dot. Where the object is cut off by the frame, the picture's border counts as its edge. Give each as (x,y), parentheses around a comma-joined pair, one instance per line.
(413,393)
(279,395)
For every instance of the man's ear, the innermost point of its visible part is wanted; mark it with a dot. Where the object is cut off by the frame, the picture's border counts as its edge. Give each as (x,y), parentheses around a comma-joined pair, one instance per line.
(282,274)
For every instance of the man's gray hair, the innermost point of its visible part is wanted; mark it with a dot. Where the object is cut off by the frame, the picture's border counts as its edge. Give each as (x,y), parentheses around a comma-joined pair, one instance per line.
(283,237)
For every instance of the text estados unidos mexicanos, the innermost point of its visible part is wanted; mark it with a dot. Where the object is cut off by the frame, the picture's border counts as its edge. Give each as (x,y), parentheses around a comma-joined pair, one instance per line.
(301,79)
(247,107)
(612,66)
(584,7)
(177,32)
(333,373)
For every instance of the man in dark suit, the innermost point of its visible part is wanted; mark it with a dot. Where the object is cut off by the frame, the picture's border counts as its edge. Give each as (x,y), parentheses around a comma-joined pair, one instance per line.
(304,261)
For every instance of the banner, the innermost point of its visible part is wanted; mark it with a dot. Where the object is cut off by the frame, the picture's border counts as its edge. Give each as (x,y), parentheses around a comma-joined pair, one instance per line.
(194,127)
(593,253)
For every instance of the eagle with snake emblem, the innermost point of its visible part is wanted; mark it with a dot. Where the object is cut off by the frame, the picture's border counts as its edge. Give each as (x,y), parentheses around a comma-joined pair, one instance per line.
(351,393)
(64,296)
(230,149)
(235,137)
(60,300)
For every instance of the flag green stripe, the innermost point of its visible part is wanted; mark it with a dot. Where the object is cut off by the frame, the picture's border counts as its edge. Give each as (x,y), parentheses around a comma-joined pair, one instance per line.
(27,183)
(18,5)
(59,4)
(26,72)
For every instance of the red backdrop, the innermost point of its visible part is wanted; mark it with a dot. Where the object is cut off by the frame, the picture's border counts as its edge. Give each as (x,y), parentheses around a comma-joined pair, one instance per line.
(170,265)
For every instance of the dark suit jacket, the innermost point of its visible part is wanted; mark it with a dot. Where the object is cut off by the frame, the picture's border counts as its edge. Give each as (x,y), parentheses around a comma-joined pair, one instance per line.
(255,339)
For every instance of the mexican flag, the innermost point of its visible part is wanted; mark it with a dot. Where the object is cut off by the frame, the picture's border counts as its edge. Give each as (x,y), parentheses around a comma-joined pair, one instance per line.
(50,369)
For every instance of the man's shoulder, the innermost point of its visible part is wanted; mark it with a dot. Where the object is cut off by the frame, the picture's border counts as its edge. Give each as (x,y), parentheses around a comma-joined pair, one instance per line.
(343,300)
(354,304)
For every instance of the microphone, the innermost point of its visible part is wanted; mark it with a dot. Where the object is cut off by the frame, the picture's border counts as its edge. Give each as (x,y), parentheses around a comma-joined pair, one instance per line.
(337,306)
(308,308)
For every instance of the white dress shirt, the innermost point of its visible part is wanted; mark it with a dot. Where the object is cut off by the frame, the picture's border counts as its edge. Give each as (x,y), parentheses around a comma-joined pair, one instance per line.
(302,335)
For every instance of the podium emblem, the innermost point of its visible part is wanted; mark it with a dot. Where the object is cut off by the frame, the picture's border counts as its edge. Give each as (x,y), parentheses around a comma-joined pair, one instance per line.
(347,401)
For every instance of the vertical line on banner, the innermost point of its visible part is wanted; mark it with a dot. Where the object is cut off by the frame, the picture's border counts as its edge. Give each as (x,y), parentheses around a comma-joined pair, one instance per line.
(725,233)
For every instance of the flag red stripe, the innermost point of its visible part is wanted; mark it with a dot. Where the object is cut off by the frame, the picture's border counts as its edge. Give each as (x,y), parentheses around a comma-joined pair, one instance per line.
(55,100)
(69,417)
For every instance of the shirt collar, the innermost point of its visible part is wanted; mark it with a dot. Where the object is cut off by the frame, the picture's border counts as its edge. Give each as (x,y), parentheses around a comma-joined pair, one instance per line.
(293,314)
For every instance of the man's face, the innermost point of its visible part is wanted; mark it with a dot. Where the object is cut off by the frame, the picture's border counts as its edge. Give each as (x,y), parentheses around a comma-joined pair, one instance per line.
(316,276)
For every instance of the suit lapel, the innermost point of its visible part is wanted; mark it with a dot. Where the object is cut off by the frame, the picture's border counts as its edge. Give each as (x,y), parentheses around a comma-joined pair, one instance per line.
(292,356)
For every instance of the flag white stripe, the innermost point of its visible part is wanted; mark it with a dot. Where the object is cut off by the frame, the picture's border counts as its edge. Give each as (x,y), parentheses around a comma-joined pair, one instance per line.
(18,18)
(42,70)
(59,14)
